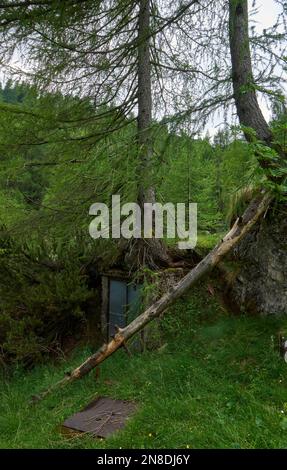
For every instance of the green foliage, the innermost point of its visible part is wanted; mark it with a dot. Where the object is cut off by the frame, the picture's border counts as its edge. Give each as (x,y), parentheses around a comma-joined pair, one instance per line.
(275,174)
(189,175)
(207,241)
(210,175)
(42,294)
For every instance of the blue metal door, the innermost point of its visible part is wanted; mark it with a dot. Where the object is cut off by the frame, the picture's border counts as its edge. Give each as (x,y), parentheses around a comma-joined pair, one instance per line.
(133,301)
(117,305)
(124,303)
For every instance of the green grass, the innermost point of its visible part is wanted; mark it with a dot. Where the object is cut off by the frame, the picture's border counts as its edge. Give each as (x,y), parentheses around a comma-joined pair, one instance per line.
(207,241)
(218,383)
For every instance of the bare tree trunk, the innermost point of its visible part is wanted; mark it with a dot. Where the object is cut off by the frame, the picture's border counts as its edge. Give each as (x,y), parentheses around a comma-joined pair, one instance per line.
(253,213)
(152,251)
(248,110)
(145,170)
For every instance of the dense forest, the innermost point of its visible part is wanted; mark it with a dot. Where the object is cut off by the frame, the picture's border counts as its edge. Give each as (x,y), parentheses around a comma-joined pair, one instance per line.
(155,101)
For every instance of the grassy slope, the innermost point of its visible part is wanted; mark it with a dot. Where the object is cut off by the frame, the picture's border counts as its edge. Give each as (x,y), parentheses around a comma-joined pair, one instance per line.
(218,383)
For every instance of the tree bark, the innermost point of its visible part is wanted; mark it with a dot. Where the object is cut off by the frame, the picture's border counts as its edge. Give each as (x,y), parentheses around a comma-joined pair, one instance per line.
(253,213)
(144,120)
(248,109)
(151,252)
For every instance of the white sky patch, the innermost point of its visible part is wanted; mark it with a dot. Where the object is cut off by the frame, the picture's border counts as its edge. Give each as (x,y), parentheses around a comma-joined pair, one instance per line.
(267,13)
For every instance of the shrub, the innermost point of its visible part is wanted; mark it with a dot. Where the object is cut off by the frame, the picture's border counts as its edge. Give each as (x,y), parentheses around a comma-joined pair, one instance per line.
(42,299)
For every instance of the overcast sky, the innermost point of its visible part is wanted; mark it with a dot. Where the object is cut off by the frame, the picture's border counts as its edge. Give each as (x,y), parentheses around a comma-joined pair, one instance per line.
(268,11)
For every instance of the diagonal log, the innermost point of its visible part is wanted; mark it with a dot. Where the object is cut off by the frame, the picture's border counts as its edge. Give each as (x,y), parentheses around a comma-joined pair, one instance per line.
(242,226)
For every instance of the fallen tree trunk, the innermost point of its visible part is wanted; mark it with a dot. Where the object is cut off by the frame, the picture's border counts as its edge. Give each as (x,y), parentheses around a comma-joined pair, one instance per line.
(242,226)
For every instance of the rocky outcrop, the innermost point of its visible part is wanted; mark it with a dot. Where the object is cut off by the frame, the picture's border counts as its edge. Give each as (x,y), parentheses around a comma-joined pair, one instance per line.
(259,285)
